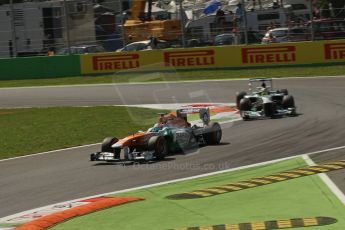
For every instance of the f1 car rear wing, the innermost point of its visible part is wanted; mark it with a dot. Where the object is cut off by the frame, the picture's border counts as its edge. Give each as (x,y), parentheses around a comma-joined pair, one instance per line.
(204,113)
(263,82)
(260,79)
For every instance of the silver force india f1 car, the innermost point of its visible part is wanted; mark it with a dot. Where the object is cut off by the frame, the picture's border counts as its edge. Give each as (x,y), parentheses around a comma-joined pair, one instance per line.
(263,101)
(171,134)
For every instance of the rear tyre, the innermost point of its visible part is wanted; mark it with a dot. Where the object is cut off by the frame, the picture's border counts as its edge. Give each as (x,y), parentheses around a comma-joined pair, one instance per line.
(213,133)
(239,96)
(284,91)
(106,146)
(158,144)
(245,105)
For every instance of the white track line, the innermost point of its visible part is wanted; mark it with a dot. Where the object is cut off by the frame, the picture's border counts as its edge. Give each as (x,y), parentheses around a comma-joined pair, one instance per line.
(178,180)
(160,82)
(152,185)
(324,177)
(52,151)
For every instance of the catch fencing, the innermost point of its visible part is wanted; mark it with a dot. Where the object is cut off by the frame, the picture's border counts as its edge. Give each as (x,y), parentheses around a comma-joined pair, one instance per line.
(84,26)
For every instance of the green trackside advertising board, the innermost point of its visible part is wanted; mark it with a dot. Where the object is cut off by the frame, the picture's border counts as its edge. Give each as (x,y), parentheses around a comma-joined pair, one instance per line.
(39,67)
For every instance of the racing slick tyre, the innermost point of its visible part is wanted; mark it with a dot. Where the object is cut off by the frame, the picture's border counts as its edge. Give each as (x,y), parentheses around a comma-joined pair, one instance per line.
(106,146)
(158,144)
(284,91)
(213,133)
(239,96)
(269,109)
(288,102)
(245,105)
(93,157)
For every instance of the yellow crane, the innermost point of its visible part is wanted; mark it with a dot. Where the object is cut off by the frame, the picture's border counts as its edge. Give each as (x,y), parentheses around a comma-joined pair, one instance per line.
(139,26)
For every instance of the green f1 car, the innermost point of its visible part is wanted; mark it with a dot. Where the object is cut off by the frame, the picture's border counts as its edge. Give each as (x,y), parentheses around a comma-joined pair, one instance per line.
(171,134)
(264,102)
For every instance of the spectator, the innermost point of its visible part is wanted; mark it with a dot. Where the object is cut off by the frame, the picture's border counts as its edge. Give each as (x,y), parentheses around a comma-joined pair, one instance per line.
(220,20)
(271,38)
(153,42)
(239,15)
(51,51)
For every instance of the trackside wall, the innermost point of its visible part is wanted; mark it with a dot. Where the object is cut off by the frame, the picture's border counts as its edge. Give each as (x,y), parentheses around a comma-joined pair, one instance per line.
(254,56)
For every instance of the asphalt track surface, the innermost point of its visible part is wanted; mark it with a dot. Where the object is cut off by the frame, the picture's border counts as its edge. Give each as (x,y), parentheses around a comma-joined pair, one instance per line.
(36,181)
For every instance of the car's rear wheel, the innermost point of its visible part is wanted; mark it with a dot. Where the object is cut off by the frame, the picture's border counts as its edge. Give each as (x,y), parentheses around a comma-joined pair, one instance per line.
(158,144)
(284,91)
(106,146)
(213,133)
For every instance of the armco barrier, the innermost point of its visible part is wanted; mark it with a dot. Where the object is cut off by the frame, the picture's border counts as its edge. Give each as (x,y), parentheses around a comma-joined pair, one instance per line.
(39,67)
(254,56)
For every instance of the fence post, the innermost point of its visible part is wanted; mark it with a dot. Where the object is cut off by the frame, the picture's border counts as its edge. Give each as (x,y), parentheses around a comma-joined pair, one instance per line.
(182,24)
(245,22)
(311,20)
(68,41)
(14,36)
(123,18)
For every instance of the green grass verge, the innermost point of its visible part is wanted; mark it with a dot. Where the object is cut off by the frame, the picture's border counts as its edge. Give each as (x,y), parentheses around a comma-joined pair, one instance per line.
(305,71)
(32,130)
(303,197)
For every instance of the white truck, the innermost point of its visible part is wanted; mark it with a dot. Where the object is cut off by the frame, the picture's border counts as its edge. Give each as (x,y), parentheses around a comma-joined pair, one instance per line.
(205,27)
(35,27)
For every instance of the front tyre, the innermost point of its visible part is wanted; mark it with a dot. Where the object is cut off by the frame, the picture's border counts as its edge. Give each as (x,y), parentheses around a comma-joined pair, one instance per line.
(239,97)
(288,102)
(269,109)
(106,146)
(158,144)
(245,105)
(93,157)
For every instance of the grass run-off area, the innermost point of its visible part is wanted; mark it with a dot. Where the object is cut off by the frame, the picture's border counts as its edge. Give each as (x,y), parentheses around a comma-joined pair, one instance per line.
(296,198)
(33,130)
(334,70)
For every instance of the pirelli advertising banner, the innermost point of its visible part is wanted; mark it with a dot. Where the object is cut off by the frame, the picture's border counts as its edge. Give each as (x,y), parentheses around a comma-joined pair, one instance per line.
(216,57)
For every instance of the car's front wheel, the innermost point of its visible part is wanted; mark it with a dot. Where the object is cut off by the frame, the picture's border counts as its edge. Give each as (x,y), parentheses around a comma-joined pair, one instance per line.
(158,144)
(239,97)
(106,146)
(288,102)
(245,105)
